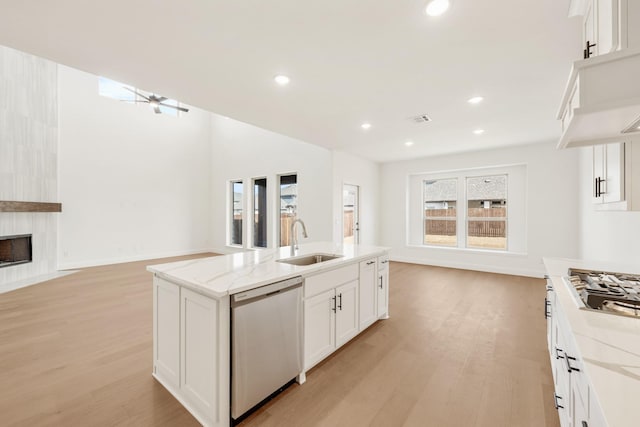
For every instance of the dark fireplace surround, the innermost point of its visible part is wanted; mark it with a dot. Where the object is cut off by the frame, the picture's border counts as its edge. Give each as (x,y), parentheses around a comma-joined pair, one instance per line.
(15,250)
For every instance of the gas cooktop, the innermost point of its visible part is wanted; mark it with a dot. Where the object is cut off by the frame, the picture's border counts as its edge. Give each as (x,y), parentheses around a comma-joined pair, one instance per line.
(617,293)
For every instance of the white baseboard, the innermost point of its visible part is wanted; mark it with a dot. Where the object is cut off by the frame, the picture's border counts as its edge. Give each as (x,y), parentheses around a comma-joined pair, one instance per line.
(121,260)
(6,287)
(538,273)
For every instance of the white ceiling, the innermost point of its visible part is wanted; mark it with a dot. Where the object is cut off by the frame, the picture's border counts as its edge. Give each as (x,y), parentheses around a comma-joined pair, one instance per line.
(350,61)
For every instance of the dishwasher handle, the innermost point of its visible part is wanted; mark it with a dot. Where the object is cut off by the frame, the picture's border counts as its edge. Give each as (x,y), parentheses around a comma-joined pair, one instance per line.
(265,291)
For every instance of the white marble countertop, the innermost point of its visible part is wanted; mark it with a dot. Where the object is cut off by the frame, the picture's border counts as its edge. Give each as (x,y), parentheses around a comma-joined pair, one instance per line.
(608,344)
(224,275)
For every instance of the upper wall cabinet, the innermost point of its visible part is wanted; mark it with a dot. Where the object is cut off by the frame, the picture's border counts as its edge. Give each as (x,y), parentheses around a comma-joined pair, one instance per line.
(616,176)
(601,102)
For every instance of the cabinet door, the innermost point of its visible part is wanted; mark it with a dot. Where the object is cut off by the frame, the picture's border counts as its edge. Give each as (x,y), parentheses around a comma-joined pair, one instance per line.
(166,331)
(319,327)
(589,29)
(368,293)
(607,26)
(346,312)
(383,294)
(198,352)
(614,171)
(598,173)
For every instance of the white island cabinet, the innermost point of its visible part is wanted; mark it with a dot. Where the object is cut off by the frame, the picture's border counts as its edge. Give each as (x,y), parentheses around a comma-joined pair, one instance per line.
(191,314)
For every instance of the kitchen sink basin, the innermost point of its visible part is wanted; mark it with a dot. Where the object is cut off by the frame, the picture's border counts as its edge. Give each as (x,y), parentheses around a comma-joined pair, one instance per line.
(309,259)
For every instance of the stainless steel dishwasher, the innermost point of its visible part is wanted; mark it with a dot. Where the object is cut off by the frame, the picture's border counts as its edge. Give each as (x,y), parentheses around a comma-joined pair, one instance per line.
(266,342)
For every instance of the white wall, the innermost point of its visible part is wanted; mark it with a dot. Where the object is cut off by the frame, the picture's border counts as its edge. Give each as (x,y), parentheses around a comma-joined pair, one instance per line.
(350,169)
(605,236)
(28,156)
(134,184)
(551,208)
(243,151)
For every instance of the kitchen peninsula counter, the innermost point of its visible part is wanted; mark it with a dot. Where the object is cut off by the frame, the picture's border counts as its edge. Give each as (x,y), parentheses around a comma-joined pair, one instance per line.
(608,344)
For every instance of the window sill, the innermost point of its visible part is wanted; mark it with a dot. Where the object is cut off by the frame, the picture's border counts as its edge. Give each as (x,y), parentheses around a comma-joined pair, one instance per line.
(468,250)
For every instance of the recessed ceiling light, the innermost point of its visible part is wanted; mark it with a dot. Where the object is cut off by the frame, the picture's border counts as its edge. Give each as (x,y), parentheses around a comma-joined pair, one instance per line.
(282,80)
(475,100)
(365,125)
(478,131)
(437,7)
(408,143)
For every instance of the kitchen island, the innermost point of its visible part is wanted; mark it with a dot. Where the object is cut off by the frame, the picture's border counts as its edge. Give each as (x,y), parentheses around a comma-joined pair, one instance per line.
(191,313)
(595,356)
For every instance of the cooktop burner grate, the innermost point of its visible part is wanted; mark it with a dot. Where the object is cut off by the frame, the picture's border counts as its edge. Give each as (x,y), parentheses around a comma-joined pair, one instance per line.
(610,292)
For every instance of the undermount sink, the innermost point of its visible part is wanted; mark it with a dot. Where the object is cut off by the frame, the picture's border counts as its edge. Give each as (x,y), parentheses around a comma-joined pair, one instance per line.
(309,259)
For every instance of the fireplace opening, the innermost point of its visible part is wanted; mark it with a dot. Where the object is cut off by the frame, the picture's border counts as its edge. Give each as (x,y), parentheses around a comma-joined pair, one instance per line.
(15,250)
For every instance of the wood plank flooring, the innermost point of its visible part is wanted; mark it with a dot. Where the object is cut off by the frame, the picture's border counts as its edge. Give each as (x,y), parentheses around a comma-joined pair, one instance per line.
(461,348)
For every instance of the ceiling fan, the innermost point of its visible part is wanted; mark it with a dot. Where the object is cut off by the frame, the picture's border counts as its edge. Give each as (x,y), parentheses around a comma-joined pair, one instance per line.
(155,101)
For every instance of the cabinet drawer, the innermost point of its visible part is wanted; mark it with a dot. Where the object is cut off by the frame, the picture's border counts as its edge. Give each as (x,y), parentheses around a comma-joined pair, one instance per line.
(383,262)
(322,282)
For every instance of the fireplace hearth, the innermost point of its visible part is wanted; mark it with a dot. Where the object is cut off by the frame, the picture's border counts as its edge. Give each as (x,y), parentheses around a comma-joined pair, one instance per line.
(15,250)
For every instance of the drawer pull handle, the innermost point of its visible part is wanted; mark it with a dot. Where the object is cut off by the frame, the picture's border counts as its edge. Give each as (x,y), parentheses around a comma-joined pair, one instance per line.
(380,282)
(570,368)
(558,351)
(340,303)
(334,304)
(556,398)
(371,262)
(547,303)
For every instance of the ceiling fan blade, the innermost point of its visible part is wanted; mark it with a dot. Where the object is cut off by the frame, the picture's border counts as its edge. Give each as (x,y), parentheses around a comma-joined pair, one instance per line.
(175,107)
(136,92)
(134,101)
(162,99)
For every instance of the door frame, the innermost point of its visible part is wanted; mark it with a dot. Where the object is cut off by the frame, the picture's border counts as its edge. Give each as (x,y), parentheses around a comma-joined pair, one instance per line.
(356,212)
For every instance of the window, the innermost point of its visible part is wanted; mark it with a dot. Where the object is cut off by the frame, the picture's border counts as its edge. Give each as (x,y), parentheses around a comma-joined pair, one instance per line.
(475,209)
(487,212)
(260,213)
(440,214)
(236,213)
(288,206)
(127,93)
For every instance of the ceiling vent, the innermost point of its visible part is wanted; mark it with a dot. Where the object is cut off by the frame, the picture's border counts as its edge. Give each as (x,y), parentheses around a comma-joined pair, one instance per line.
(422,118)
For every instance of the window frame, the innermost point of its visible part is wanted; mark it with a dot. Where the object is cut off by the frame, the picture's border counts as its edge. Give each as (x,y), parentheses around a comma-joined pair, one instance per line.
(424,213)
(516,196)
(278,206)
(466,212)
(253,210)
(231,212)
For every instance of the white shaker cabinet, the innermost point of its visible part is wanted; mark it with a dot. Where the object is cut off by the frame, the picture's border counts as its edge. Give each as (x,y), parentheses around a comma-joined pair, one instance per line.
(608,25)
(616,173)
(330,312)
(319,327)
(573,395)
(383,287)
(166,331)
(608,173)
(346,311)
(191,350)
(368,291)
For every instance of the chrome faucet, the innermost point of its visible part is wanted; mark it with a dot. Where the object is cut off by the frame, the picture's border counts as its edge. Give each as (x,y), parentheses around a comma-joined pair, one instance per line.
(294,236)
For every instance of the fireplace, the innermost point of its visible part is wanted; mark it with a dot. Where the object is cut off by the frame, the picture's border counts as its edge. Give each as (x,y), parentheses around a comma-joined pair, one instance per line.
(15,250)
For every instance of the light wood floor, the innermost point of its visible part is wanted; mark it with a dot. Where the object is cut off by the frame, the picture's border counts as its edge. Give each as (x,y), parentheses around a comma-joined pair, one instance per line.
(461,348)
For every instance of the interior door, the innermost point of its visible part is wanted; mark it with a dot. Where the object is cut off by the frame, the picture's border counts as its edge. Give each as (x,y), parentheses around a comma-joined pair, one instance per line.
(351,214)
